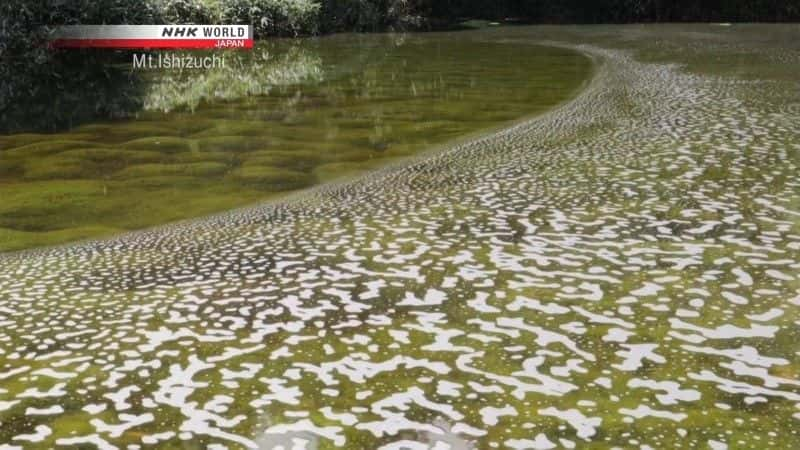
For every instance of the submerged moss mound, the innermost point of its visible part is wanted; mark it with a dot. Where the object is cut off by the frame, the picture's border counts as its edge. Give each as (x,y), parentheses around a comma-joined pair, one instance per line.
(16,140)
(57,168)
(163,144)
(272,178)
(234,128)
(10,167)
(233,143)
(114,158)
(81,163)
(198,169)
(291,160)
(126,131)
(46,148)
(47,205)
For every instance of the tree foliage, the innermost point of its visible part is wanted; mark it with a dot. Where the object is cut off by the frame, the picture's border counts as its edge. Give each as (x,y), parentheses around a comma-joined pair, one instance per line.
(274,17)
(371,15)
(187,12)
(620,11)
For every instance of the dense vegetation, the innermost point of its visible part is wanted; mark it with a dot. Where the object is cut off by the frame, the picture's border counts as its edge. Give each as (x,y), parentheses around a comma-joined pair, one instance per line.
(285,17)
(618,11)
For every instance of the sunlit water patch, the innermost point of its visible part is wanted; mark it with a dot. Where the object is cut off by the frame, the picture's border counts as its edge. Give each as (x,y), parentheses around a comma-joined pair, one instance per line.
(622,271)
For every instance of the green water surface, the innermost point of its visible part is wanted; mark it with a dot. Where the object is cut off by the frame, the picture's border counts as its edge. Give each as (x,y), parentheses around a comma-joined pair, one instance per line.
(284,117)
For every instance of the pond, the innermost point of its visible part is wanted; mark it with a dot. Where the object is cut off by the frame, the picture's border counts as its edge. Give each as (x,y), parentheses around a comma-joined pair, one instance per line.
(286,116)
(621,270)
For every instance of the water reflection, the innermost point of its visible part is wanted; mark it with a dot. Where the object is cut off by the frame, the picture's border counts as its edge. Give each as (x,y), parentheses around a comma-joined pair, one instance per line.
(244,76)
(69,89)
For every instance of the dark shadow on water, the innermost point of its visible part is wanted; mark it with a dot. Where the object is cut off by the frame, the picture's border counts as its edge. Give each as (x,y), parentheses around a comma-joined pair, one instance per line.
(68,89)
(46,90)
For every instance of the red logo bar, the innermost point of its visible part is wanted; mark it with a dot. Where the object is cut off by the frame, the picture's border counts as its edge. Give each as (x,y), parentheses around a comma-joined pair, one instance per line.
(154,36)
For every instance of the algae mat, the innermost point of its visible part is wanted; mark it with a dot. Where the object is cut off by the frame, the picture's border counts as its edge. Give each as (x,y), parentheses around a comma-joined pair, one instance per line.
(620,272)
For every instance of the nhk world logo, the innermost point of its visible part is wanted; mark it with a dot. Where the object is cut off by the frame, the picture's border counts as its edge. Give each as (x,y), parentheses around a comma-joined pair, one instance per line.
(153,36)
